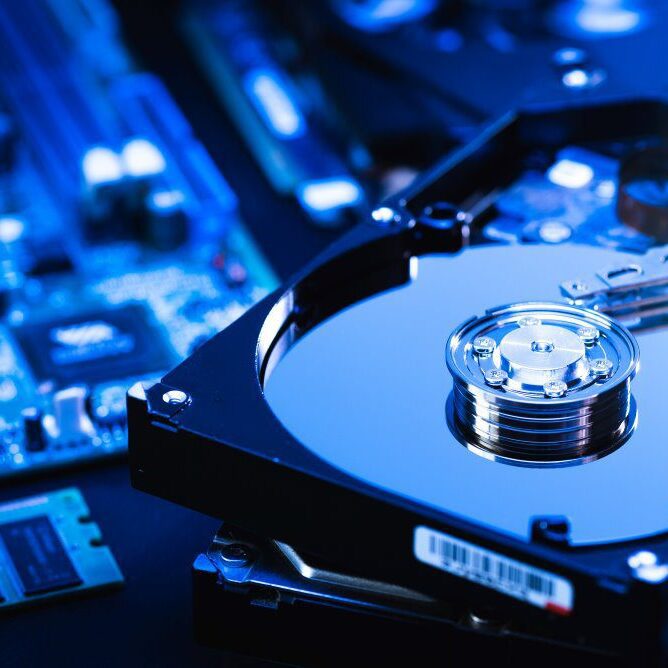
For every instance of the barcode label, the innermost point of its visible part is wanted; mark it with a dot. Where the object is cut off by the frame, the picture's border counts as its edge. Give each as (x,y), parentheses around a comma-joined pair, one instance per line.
(493,570)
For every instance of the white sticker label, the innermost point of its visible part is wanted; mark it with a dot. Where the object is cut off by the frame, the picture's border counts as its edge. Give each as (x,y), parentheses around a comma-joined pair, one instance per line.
(493,570)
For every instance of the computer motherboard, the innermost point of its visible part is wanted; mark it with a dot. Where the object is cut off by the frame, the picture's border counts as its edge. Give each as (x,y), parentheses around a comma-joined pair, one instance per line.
(121,247)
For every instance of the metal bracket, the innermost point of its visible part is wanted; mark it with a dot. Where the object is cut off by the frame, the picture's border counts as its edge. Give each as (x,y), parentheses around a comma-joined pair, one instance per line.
(636,288)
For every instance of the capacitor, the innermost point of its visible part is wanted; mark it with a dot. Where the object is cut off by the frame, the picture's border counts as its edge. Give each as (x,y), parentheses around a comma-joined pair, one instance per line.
(165,224)
(70,420)
(642,194)
(33,430)
(116,193)
(7,143)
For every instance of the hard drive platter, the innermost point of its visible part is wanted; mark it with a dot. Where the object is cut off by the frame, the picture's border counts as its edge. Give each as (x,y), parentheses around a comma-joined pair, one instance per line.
(462,398)
(367,391)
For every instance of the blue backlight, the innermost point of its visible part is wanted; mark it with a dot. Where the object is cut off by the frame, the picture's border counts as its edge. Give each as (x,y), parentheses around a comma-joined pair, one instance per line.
(330,194)
(599,18)
(268,91)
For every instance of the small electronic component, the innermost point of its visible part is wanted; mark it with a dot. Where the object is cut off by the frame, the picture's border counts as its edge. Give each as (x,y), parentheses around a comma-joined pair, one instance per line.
(94,346)
(49,547)
(46,256)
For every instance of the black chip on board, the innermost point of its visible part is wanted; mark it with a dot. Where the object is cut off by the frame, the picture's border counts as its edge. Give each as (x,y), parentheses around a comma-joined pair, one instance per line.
(38,556)
(95,346)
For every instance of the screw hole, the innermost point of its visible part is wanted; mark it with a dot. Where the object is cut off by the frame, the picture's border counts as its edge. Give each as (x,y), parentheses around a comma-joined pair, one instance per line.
(624,271)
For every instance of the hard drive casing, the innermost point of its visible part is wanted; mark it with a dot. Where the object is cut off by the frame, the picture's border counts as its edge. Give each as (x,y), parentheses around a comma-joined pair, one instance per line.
(223,451)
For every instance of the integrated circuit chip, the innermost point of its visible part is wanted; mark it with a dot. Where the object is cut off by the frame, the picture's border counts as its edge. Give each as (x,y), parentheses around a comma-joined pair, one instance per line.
(38,555)
(94,346)
(48,547)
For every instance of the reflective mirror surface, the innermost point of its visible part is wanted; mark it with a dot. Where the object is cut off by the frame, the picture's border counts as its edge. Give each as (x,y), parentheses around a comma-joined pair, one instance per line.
(366,391)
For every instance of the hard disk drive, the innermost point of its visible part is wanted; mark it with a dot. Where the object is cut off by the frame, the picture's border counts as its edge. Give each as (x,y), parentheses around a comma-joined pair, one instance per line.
(456,415)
